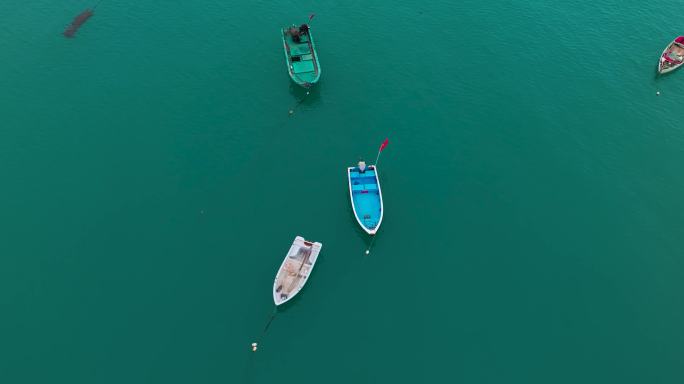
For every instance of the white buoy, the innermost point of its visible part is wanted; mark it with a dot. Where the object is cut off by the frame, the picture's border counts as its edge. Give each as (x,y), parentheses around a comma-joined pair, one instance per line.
(658,93)
(291,111)
(367,251)
(254,347)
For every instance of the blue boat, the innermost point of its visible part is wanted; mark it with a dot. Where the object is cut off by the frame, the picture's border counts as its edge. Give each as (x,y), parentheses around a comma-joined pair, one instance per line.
(366,196)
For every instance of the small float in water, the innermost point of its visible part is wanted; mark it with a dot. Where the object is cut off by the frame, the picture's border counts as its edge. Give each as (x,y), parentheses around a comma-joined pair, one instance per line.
(300,54)
(295,269)
(672,57)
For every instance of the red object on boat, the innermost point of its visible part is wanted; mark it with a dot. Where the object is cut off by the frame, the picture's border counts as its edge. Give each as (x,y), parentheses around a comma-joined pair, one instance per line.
(672,57)
(668,59)
(79,20)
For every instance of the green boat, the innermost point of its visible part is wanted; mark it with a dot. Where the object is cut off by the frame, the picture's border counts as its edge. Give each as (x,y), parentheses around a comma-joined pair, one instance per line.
(300,55)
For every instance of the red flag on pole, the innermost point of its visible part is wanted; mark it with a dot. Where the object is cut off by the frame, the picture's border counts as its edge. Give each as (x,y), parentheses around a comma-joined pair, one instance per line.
(383,145)
(311,16)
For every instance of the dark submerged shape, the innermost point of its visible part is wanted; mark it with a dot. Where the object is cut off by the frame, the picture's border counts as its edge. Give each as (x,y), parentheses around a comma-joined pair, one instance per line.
(79,20)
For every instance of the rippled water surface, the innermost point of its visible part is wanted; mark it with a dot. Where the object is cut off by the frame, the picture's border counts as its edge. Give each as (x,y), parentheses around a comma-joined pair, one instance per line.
(152,182)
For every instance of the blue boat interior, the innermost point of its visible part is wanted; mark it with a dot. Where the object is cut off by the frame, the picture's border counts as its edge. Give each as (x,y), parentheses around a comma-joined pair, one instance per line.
(366,196)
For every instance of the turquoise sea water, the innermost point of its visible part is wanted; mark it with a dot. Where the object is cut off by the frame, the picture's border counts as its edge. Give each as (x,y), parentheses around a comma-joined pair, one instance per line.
(152,182)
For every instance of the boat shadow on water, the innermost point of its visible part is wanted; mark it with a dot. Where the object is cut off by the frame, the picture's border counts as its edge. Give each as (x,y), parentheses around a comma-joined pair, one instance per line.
(300,96)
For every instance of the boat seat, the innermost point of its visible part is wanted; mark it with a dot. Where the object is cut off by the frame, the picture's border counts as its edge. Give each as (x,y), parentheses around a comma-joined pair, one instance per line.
(356,173)
(364,188)
(302,66)
(369,221)
(364,180)
(300,49)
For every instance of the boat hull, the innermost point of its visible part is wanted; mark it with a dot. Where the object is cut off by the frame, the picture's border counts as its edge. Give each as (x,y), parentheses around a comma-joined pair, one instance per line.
(366,198)
(301,58)
(676,47)
(295,269)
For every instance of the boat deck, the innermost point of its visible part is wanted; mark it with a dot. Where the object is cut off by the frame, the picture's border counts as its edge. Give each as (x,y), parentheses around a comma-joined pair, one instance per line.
(677,49)
(366,196)
(672,58)
(296,268)
(301,58)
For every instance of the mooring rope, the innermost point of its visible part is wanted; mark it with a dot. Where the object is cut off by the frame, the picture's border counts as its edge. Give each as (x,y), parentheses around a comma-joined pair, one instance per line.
(270,320)
(268,324)
(291,111)
(370,245)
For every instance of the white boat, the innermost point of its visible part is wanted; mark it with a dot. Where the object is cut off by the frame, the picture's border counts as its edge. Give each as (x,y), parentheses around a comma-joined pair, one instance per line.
(672,57)
(295,269)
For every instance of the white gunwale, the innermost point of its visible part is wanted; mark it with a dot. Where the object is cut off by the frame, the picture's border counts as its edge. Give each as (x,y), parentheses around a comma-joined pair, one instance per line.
(373,231)
(663,70)
(302,275)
